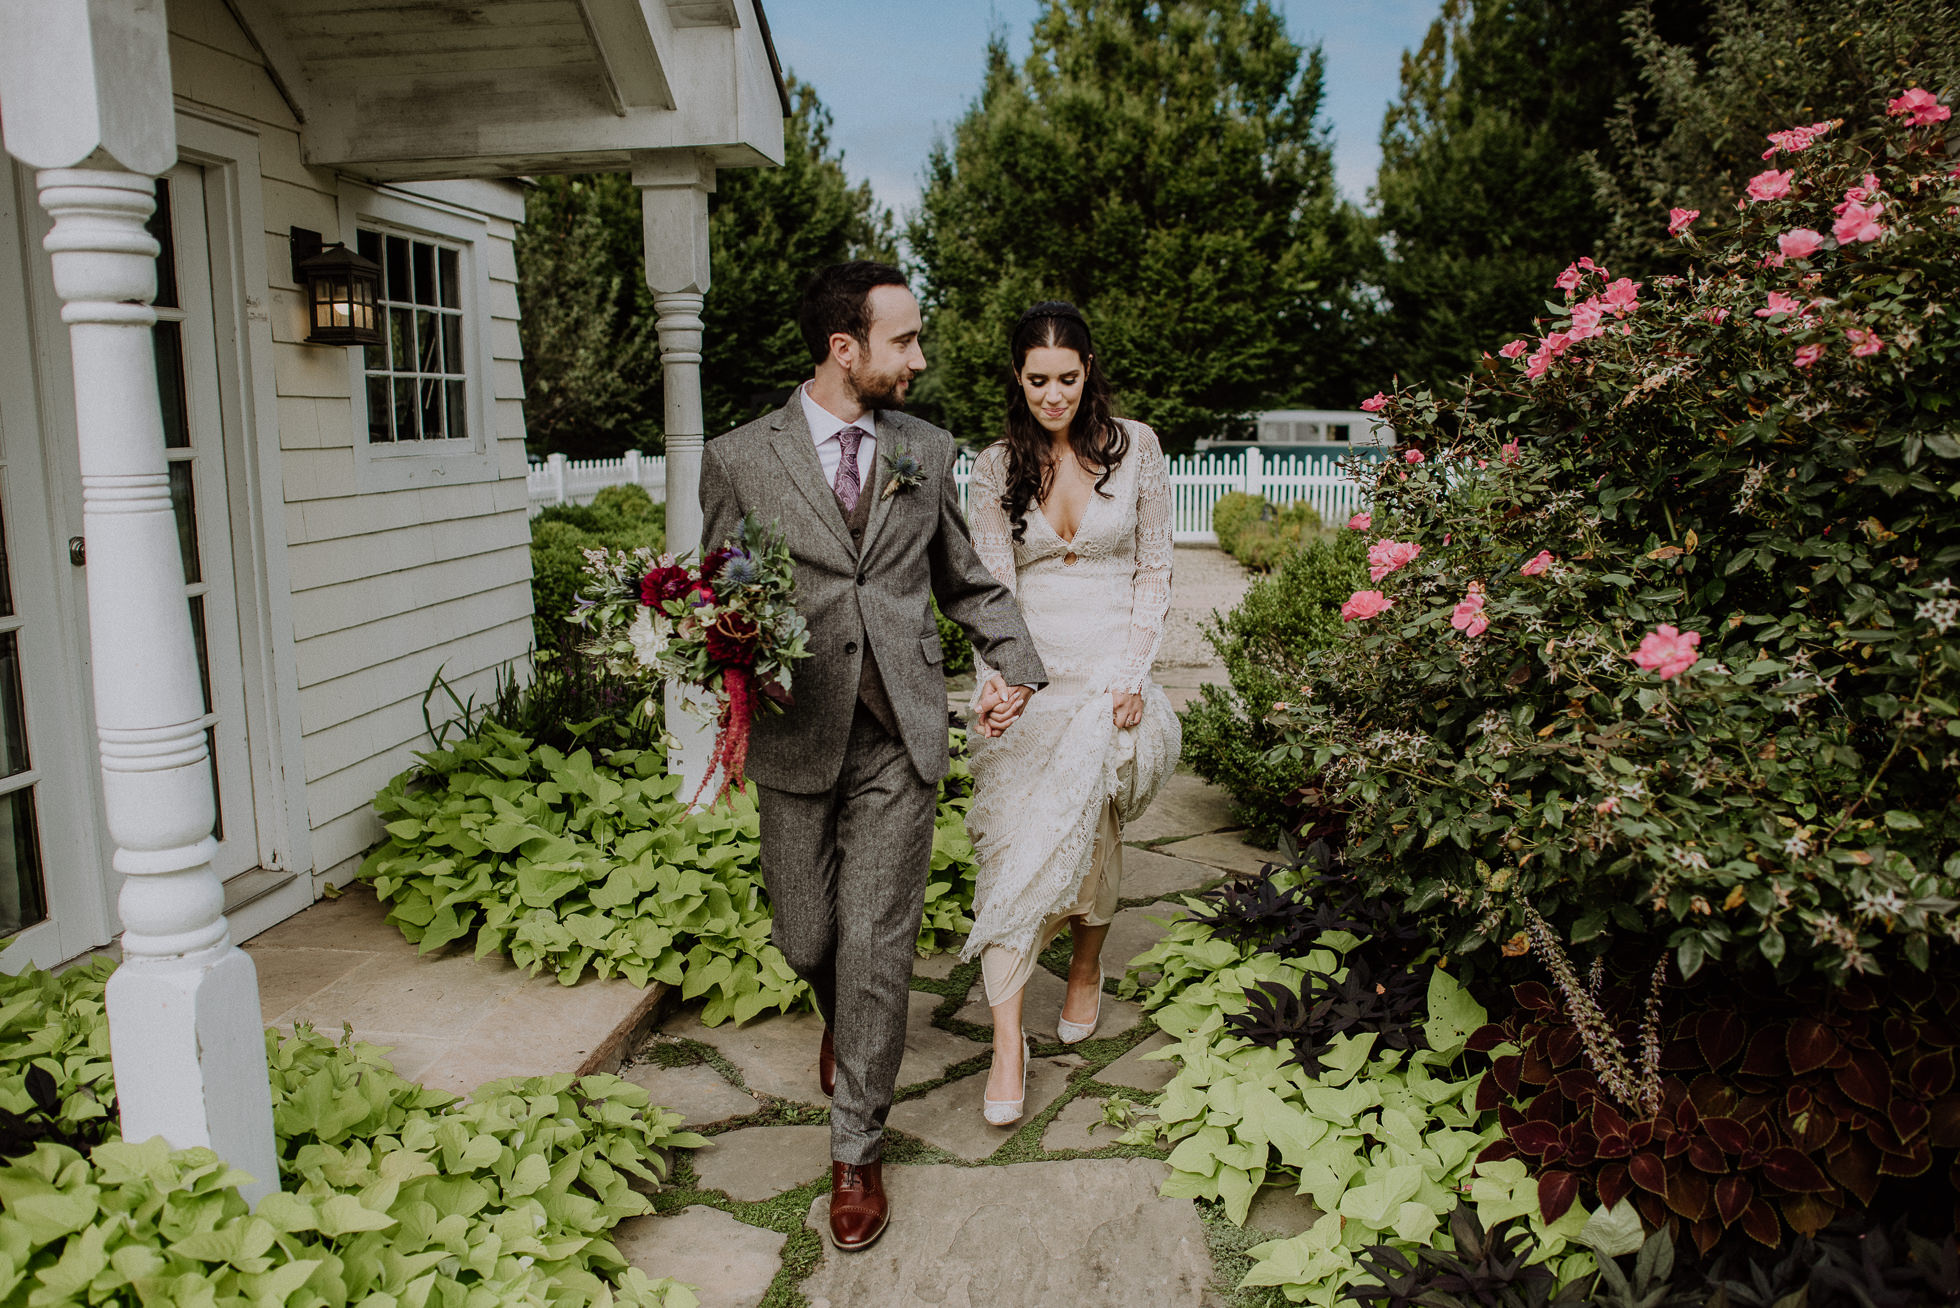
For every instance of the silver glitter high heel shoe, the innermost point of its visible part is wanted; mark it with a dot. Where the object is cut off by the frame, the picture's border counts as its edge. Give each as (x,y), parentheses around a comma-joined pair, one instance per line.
(1074,1033)
(1006,1112)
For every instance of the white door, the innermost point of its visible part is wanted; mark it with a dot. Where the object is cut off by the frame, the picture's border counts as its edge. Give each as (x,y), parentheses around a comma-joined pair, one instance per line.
(194,441)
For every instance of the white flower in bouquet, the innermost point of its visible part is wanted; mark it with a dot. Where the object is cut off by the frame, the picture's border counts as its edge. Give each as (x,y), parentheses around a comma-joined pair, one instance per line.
(648,635)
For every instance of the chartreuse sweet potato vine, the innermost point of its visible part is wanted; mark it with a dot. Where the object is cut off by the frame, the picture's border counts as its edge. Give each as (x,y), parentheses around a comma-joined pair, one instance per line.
(1383,1140)
(392,1193)
(566,862)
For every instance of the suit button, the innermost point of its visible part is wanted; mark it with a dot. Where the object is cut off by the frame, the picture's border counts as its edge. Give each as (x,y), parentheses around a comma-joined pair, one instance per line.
(850,647)
(862,578)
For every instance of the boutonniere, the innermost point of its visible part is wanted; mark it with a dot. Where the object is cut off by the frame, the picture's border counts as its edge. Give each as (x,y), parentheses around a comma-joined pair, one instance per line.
(905,471)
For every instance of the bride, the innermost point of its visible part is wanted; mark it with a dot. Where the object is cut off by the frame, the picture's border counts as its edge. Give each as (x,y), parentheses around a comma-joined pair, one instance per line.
(1071,511)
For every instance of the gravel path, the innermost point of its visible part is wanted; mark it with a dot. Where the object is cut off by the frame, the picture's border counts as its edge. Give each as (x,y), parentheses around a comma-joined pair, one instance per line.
(1204,579)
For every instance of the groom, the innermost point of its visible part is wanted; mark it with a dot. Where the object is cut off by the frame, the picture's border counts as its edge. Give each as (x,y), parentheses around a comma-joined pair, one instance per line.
(849,776)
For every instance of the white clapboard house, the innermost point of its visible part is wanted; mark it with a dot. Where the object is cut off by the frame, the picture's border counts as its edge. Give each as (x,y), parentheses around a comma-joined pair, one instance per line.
(237,547)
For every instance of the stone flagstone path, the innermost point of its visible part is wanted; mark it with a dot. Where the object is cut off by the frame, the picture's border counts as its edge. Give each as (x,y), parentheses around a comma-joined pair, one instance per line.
(1050,1211)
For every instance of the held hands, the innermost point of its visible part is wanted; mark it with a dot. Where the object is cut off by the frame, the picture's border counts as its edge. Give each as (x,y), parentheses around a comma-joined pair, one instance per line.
(1000,705)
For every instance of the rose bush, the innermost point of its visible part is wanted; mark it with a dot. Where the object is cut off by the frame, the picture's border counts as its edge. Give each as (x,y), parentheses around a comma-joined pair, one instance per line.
(1676,662)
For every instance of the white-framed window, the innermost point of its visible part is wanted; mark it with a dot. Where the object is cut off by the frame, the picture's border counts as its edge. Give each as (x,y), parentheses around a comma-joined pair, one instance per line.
(422,398)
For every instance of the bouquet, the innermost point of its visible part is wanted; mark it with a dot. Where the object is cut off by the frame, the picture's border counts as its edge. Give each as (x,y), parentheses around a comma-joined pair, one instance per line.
(727,629)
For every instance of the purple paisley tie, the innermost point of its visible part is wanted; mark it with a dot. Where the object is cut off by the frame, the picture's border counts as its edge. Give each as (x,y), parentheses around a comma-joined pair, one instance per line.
(848,481)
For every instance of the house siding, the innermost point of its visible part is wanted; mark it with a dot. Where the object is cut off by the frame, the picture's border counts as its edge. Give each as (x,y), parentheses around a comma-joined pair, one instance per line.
(388,586)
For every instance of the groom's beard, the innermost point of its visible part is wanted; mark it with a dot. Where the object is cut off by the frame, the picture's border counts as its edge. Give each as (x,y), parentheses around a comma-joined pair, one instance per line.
(881,390)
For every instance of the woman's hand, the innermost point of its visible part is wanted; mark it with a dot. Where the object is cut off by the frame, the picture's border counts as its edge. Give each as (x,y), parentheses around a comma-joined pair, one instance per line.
(1129,708)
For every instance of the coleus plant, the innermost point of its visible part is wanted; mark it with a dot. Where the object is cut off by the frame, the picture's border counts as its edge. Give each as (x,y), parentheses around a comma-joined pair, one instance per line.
(1771,1110)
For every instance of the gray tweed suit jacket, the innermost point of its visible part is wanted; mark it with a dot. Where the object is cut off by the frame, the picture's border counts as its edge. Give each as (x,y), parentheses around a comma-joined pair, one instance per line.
(916,546)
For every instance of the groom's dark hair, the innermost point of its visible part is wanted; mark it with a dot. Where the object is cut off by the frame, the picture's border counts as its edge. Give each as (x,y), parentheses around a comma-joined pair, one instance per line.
(837,300)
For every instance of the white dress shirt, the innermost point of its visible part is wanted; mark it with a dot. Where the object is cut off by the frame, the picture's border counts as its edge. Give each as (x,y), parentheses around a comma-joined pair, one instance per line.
(824,426)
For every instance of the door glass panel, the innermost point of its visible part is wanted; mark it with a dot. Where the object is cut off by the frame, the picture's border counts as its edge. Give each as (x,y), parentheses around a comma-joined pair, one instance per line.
(160,227)
(168,340)
(13,722)
(202,641)
(184,501)
(23,901)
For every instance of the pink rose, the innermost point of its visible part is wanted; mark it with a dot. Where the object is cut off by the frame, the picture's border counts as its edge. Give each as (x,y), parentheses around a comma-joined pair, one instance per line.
(1509,452)
(1540,360)
(1515,348)
(1779,303)
(1864,342)
(1771,185)
(1412,456)
(1923,105)
(1374,403)
(1715,314)
(1385,556)
(1808,355)
(1622,296)
(1668,651)
(1797,139)
(1569,279)
(1557,342)
(1361,522)
(1859,222)
(1365,604)
(1585,319)
(1799,243)
(1468,615)
(1537,563)
(1680,220)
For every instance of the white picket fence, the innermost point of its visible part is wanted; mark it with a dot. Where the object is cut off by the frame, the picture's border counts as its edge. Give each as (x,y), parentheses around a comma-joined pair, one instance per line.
(1197,481)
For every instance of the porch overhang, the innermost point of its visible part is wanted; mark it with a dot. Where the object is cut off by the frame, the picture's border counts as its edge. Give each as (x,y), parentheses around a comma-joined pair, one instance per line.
(399,90)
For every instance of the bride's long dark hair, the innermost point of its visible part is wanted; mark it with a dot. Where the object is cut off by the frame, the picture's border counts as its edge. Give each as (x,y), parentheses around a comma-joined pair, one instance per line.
(1095,435)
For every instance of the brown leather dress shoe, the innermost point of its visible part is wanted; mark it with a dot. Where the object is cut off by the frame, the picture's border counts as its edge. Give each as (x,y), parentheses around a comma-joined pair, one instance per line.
(858,1211)
(827,1065)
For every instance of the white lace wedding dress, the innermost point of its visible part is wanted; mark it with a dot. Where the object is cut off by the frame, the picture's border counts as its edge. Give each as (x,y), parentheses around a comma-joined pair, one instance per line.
(1063,773)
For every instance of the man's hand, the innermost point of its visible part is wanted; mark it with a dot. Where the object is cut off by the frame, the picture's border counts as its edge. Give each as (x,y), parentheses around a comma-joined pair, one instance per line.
(1000,704)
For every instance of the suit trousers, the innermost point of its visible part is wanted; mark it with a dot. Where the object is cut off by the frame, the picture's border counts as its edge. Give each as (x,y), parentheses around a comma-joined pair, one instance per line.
(846,873)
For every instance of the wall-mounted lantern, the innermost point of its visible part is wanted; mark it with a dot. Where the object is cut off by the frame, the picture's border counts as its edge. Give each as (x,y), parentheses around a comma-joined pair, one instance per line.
(341,288)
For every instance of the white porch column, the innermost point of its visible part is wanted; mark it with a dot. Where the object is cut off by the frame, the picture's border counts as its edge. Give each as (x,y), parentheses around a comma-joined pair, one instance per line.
(87,97)
(674,189)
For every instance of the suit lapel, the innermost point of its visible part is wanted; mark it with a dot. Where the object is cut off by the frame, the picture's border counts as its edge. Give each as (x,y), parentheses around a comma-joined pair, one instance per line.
(891,439)
(798,454)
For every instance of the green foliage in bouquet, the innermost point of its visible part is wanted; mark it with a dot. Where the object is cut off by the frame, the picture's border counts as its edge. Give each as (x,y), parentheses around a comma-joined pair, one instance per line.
(1228,736)
(1664,643)
(566,863)
(391,1192)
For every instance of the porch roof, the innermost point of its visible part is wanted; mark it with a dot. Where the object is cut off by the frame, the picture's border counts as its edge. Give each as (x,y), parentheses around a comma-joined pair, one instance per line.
(415,89)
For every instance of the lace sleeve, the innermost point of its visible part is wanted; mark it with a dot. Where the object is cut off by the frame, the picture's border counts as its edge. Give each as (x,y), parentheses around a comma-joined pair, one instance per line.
(993,538)
(1150,587)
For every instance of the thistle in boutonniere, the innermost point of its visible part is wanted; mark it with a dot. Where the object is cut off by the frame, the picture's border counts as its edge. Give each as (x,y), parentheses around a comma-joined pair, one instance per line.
(905,470)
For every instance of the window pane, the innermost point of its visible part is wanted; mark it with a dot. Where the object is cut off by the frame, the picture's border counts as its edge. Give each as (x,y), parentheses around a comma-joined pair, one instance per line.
(406,426)
(398,282)
(425,273)
(23,902)
(6,585)
(168,340)
(184,503)
(368,245)
(452,342)
(459,426)
(451,292)
(380,411)
(401,339)
(430,340)
(160,227)
(375,357)
(431,410)
(13,722)
(203,648)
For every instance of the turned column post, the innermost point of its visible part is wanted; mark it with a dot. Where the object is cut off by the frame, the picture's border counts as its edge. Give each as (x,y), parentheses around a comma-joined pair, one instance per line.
(674,188)
(87,93)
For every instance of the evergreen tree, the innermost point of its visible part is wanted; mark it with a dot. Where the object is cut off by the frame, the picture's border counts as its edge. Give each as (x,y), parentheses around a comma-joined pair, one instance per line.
(1485,191)
(591,360)
(1157,162)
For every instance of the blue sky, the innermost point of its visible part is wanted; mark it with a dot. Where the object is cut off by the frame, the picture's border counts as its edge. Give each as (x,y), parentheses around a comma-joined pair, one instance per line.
(897,74)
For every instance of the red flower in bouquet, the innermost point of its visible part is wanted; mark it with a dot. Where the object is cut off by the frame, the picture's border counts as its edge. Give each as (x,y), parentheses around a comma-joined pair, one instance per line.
(731,640)
(663,584)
